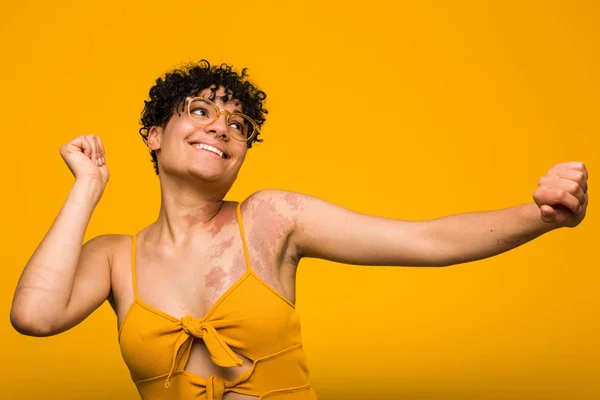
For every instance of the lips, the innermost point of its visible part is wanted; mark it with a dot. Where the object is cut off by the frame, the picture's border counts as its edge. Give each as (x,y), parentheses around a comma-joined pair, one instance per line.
(214,148)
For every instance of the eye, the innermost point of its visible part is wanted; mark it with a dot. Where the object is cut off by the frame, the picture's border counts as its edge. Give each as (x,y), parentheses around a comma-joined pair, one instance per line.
(198,111)
(201,112)
(240,125)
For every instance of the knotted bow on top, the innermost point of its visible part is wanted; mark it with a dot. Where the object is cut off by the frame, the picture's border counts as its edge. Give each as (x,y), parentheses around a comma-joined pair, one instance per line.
(220,353)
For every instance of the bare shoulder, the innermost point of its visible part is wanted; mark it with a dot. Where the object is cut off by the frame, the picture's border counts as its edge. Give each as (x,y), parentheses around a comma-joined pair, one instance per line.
(272,219)
(117,247)
(269,203)
(112,250)
(105,245)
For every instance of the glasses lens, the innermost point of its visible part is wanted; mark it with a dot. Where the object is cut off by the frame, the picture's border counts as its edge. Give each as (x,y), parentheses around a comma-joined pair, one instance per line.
(240,126)
(202,112)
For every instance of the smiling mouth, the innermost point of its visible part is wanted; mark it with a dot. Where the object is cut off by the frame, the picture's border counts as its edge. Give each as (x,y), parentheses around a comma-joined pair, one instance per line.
(214,150)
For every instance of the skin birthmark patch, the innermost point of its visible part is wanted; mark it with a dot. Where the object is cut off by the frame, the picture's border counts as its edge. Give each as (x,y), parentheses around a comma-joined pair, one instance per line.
(221,247)
(224,218)
(265,235)
(239,266)
(294,200)
(215,280)
(200,216)
(222,277)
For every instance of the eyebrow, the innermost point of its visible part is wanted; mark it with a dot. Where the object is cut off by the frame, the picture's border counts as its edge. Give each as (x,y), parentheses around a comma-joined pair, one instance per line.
(207,97)
(235,110)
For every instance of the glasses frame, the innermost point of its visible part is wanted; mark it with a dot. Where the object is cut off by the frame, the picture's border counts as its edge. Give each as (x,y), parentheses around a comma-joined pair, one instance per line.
(220,111)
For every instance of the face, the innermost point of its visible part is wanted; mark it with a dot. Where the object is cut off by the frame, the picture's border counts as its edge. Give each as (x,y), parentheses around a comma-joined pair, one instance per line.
(184,148)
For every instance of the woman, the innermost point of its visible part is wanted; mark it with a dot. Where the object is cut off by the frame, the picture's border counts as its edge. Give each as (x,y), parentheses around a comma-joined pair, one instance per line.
(204,296)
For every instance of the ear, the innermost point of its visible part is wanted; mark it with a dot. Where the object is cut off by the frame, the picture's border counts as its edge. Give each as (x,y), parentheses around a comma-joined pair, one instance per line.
(154,137)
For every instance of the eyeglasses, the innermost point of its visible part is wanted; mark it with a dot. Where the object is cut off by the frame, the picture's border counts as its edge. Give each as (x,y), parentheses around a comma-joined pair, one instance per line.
(204,112)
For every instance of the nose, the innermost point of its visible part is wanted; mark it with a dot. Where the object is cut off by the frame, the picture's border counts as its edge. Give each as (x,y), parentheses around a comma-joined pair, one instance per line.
(218,128)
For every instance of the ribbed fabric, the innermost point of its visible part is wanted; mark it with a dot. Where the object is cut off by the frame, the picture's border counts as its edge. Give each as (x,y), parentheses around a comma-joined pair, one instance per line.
(250,319)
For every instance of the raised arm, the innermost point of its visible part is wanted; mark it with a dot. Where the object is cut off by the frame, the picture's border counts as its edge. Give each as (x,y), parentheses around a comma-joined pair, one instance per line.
(324,230)
(63,283)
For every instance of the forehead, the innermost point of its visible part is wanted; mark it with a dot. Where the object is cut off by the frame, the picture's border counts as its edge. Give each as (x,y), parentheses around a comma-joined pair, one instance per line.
(221,97)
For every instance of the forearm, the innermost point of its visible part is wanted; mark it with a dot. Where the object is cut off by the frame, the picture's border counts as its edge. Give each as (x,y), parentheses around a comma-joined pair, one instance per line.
(473,236)
(46,283)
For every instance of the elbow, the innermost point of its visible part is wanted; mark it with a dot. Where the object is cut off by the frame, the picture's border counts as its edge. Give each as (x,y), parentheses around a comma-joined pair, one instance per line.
(26,323)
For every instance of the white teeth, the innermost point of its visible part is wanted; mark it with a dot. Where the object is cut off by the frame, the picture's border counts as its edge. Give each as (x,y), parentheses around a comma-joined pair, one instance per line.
(209,148)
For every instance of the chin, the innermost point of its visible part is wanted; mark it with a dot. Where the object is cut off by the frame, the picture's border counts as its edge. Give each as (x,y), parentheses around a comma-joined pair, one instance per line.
(209,174)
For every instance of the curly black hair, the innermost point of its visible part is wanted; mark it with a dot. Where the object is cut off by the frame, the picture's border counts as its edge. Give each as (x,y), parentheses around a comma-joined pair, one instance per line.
(169,93)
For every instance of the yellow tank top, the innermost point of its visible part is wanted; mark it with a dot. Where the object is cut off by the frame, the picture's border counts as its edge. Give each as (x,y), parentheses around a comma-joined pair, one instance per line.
(250,318)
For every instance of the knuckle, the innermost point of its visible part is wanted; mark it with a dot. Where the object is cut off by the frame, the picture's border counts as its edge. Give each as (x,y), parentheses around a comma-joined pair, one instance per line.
(541,190)
(574,201)
(573,187)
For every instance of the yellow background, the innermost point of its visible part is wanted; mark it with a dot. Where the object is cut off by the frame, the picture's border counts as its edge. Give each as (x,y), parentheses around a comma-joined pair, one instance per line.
(409,110)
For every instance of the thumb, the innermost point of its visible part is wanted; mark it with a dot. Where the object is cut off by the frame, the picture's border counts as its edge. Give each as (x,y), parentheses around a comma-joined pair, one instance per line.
(548,213)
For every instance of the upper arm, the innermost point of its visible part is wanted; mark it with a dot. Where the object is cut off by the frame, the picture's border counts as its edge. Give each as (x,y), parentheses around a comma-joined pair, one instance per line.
(92,284)
(325,230)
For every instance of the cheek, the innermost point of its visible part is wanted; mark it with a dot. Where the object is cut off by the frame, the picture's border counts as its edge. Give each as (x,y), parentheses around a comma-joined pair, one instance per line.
(240,152)
(173,137)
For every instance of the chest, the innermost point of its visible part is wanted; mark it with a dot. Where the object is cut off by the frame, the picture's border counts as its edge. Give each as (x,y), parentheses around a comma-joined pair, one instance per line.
(192,280)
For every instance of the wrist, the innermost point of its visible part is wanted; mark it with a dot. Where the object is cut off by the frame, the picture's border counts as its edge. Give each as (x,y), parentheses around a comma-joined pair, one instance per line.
(533,215)
(87,190)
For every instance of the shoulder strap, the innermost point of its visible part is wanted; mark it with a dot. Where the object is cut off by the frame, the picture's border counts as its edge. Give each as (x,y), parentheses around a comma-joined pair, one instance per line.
(241,225)
(133,277)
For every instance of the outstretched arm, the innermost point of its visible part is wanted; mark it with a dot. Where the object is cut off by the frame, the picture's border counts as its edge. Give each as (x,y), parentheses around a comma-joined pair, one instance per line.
(63,282)
(324,230)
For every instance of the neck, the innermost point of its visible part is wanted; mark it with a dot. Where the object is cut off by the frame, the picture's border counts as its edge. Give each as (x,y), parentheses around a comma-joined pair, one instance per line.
(187,208)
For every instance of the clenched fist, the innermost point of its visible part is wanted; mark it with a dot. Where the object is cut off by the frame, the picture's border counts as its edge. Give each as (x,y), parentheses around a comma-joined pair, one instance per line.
(562,194)
(84,156)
